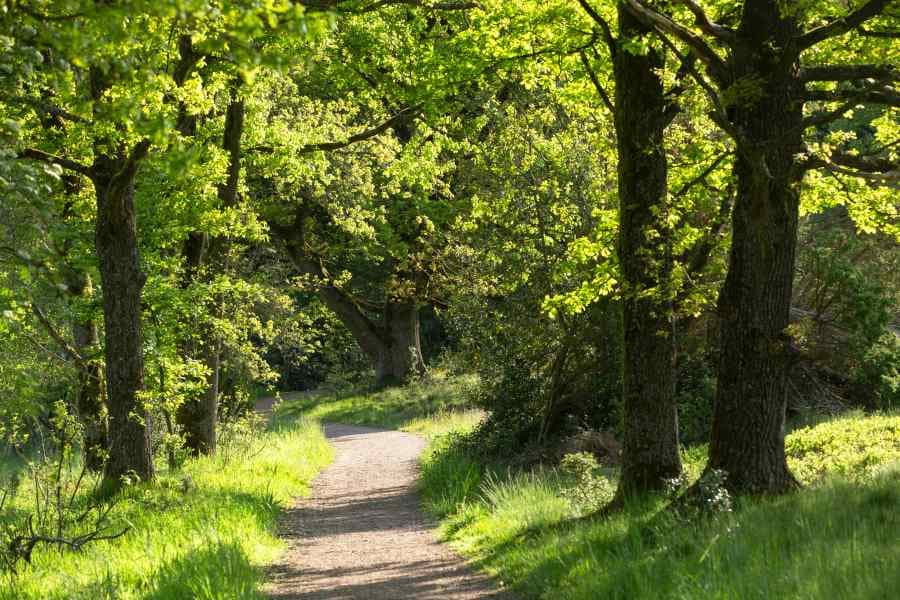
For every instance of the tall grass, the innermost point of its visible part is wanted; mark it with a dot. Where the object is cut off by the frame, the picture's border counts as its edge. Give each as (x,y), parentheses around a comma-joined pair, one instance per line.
(202,532)
(836,539)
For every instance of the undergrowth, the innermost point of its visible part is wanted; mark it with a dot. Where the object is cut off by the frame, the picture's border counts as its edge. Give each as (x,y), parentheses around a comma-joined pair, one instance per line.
(202,532)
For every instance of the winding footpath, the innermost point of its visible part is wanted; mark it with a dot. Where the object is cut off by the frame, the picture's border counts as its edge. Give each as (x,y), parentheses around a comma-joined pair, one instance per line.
(361,533)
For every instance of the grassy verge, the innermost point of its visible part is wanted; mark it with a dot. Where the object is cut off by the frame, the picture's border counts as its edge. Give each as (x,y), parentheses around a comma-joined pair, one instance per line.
(838,538)
(431,407)
(203,532)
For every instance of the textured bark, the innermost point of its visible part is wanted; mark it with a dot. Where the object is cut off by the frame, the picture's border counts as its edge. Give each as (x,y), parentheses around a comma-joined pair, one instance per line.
(754,304)
(393,346)
(123,281)
(650,451)
(403,358)
(90,402)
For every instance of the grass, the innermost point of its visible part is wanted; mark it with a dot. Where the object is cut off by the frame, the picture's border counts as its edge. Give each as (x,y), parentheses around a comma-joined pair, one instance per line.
(202,532)
(837,538)
(430,407)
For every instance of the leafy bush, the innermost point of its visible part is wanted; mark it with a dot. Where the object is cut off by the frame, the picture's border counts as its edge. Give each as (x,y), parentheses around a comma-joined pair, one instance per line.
(589,490)
(847,291)
(852,446)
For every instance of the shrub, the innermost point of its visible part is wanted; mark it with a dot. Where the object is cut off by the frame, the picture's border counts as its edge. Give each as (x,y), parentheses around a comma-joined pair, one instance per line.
(589,490)
(852,446)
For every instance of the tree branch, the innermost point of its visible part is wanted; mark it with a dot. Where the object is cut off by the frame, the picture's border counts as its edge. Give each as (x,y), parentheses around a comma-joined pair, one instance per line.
(884,95)
(419,4)
(50,109)
(714,63)
(708,27)
(891,34)
(855,165)
(52,159)
(361,136)
(54,333)
(335,5)
(603,95)
(840,26)
(604,26)
(848,72)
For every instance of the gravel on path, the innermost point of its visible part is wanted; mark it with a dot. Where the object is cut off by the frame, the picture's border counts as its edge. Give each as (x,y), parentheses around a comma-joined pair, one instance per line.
(361,534)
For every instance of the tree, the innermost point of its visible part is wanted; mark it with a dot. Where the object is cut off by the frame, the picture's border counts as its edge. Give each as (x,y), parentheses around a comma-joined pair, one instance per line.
(758,92)
(642,111)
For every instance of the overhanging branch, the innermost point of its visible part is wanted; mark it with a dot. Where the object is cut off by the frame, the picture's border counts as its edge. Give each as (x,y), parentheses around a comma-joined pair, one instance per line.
(849,72)
(707,26)
(52,159)
(361,136)
(714,63)
(867,11)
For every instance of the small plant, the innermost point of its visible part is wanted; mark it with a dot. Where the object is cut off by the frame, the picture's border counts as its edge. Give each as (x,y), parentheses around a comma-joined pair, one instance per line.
(589,490)
(675,485)
(712,496)
(62,512)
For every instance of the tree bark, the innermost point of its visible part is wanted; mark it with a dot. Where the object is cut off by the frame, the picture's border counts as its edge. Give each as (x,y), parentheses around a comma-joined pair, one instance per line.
(754,303)
(123,282)
(650,451)
(402,359)
(90,402)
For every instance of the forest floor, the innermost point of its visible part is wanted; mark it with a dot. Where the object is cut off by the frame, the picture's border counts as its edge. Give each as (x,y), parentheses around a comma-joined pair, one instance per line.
(362,533)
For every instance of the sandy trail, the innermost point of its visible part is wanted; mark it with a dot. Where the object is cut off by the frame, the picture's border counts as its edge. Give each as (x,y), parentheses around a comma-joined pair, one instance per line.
(361,533)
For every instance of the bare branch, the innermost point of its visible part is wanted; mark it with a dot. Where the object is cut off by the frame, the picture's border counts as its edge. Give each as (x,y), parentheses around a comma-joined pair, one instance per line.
(840,26)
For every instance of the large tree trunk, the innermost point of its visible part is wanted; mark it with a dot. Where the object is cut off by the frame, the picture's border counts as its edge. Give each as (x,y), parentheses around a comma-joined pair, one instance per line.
(90,403)
(402,358)
(123,281)
(393,346)
(650,451)
(754,304)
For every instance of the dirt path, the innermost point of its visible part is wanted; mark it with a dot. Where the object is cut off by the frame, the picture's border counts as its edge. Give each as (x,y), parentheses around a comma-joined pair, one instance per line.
(361,533)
